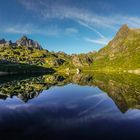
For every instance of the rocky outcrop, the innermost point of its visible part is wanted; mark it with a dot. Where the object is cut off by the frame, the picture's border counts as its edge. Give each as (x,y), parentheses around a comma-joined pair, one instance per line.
(3,42)
(24,41)
(56,62)
(76,61)
(81,60)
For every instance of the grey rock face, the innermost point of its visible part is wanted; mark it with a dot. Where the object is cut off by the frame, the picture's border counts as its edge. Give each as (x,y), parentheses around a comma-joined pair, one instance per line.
(24,41)
(80,61)
(2,42)
(120,36)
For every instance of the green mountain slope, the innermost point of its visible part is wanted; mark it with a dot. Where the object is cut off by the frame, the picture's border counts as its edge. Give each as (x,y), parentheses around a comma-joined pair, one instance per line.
(123,52)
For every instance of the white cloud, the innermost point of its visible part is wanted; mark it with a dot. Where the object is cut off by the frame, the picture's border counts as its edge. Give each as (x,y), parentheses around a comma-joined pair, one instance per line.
(71,31)
(100,41)
(32,29)
(92,29)
(28,29)
(47,9)
(30,4)
(19,29)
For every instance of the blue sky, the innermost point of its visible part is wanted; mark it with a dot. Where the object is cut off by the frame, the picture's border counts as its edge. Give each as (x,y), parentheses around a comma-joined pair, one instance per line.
(72,26)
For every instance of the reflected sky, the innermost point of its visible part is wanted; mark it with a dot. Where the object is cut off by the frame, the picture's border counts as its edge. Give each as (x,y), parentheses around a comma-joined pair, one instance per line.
(66,109)
(84,106)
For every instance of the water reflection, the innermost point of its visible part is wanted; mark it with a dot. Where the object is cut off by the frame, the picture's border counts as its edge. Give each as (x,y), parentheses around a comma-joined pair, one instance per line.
(124,89)
(76,106)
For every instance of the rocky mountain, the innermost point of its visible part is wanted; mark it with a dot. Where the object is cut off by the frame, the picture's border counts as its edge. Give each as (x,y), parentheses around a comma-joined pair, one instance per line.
(123,52)
(82,60)
(30,52)
(3,42)
(24,41)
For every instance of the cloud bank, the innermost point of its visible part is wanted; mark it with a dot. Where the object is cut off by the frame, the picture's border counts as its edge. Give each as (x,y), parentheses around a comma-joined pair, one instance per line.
(58,9)
(62,10)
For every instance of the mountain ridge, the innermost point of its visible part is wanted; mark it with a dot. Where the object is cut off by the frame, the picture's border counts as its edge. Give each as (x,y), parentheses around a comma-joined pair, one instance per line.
(23,41)
(30,52)
(122,53)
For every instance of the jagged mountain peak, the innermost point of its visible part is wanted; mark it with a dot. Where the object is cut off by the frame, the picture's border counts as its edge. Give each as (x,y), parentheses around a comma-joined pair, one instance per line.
(25,41)
(24,38)
(120,36)
(123,31)
(124,26)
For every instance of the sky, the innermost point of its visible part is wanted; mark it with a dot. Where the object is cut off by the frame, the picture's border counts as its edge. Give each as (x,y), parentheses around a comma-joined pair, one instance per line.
(72,26)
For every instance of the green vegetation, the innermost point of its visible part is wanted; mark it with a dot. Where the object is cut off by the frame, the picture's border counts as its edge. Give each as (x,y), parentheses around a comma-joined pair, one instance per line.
(21,55)
(122,53)
(123,88)
(29,88)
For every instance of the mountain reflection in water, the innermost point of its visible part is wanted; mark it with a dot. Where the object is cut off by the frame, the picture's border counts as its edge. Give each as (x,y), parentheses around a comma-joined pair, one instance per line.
(85,105)
(123,89)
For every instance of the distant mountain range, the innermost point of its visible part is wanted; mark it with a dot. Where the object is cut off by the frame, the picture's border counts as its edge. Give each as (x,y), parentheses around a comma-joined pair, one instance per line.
(24,41)
(122,53)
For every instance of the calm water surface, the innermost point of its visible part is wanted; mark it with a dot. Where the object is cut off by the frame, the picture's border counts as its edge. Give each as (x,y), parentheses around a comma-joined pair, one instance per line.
(83,106)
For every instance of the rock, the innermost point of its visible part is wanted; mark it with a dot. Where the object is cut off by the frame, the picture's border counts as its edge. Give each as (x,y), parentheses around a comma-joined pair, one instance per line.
(81,60)
(2,42)
(78,71)
(24,41)
(56,62)
(120,36)
(76,61)
(10,43)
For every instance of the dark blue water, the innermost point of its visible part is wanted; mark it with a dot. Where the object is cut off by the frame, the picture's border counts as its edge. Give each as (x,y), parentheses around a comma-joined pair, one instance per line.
(68,112)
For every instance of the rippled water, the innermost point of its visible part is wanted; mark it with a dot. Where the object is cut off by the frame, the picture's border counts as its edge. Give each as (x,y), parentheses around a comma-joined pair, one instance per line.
(83,106)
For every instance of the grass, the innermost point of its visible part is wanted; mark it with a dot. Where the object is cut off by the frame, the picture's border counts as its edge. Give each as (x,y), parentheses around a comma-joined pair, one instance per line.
(122,57)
